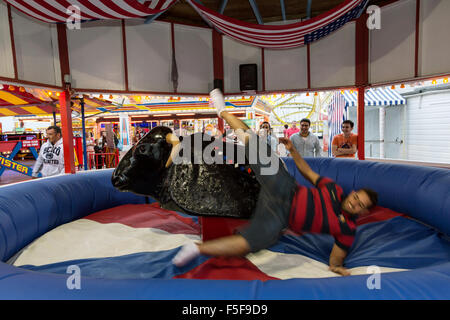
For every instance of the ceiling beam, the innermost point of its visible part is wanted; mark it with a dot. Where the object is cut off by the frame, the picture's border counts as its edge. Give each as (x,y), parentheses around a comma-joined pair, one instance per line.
(206,20)
(256,11)
(308,9)
(283,10)
(150,19)
(222,6)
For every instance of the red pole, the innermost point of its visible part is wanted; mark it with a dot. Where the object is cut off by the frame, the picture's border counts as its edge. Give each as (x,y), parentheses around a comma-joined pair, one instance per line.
(125,61)
(66,127)
(308,64)
(361,75)
(417,40)
(218,67)
(13,45)
(361,94)
(263,70)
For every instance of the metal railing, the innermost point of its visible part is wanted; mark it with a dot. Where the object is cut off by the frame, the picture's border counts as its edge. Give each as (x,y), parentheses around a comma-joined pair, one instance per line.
(102,160)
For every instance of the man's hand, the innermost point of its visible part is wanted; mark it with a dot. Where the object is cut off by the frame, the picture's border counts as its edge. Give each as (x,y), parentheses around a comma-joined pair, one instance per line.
(340,270)
(346,151)
(301,164)
(287,143)
(337,258)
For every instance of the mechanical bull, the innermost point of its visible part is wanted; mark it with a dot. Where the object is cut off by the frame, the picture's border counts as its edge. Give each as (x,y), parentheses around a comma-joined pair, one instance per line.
(186,180)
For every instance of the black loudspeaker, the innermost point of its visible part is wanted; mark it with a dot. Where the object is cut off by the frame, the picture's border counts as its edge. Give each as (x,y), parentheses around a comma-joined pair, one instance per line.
(218,84)
(248,77)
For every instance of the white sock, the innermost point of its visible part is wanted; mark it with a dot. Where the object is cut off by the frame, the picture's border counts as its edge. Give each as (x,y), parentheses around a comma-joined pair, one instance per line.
(188,252)
(216,97)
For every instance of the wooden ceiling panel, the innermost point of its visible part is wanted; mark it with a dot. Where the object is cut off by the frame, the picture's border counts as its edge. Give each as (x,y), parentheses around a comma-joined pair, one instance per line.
(270,10)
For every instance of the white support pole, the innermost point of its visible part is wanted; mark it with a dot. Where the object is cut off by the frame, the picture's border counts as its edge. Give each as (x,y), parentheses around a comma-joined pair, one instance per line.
(125,131)
(382,127)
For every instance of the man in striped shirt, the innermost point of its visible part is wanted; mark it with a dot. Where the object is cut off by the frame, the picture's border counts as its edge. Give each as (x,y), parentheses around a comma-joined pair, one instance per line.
(282,204)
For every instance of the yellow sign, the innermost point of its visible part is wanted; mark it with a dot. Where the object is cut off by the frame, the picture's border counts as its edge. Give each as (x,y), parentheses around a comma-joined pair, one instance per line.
(15,166)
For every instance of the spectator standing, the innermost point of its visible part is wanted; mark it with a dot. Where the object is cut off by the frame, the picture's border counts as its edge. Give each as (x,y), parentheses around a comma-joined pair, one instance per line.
(50,161)
(102,142)
(98,149)
(286,127)
(90,143)
(265,133)
(345,145)
(306,143)
(292,130)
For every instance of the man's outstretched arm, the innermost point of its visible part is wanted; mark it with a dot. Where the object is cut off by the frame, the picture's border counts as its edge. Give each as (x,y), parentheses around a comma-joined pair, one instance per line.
(301,164)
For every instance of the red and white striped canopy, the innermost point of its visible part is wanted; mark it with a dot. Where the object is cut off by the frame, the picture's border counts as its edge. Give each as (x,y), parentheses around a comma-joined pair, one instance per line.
(61,10)
(282,36)
(266,36)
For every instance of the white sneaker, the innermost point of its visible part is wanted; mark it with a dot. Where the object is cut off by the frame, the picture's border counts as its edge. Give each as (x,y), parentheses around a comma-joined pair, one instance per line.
(216,97)
(188,252)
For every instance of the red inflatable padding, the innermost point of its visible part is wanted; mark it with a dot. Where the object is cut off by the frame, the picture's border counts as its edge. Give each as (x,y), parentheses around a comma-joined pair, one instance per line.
(378,214)
(137,216)
(216,227)
(226,269)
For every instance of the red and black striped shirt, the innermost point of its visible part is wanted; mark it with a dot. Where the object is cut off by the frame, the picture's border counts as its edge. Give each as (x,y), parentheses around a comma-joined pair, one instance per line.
(319,210)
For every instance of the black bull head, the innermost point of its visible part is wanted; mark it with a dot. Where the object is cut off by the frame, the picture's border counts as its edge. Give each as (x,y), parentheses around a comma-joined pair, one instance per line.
(195,187)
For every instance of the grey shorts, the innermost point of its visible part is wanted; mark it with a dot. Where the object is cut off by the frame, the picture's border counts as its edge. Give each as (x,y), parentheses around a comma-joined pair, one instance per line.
(271,215)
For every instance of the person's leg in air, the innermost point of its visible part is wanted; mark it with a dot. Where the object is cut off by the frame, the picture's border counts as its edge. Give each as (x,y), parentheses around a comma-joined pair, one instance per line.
(272,209)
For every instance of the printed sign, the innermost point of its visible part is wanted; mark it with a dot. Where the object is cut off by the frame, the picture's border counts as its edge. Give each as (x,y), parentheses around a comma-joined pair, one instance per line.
(15,166)
(30,143)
